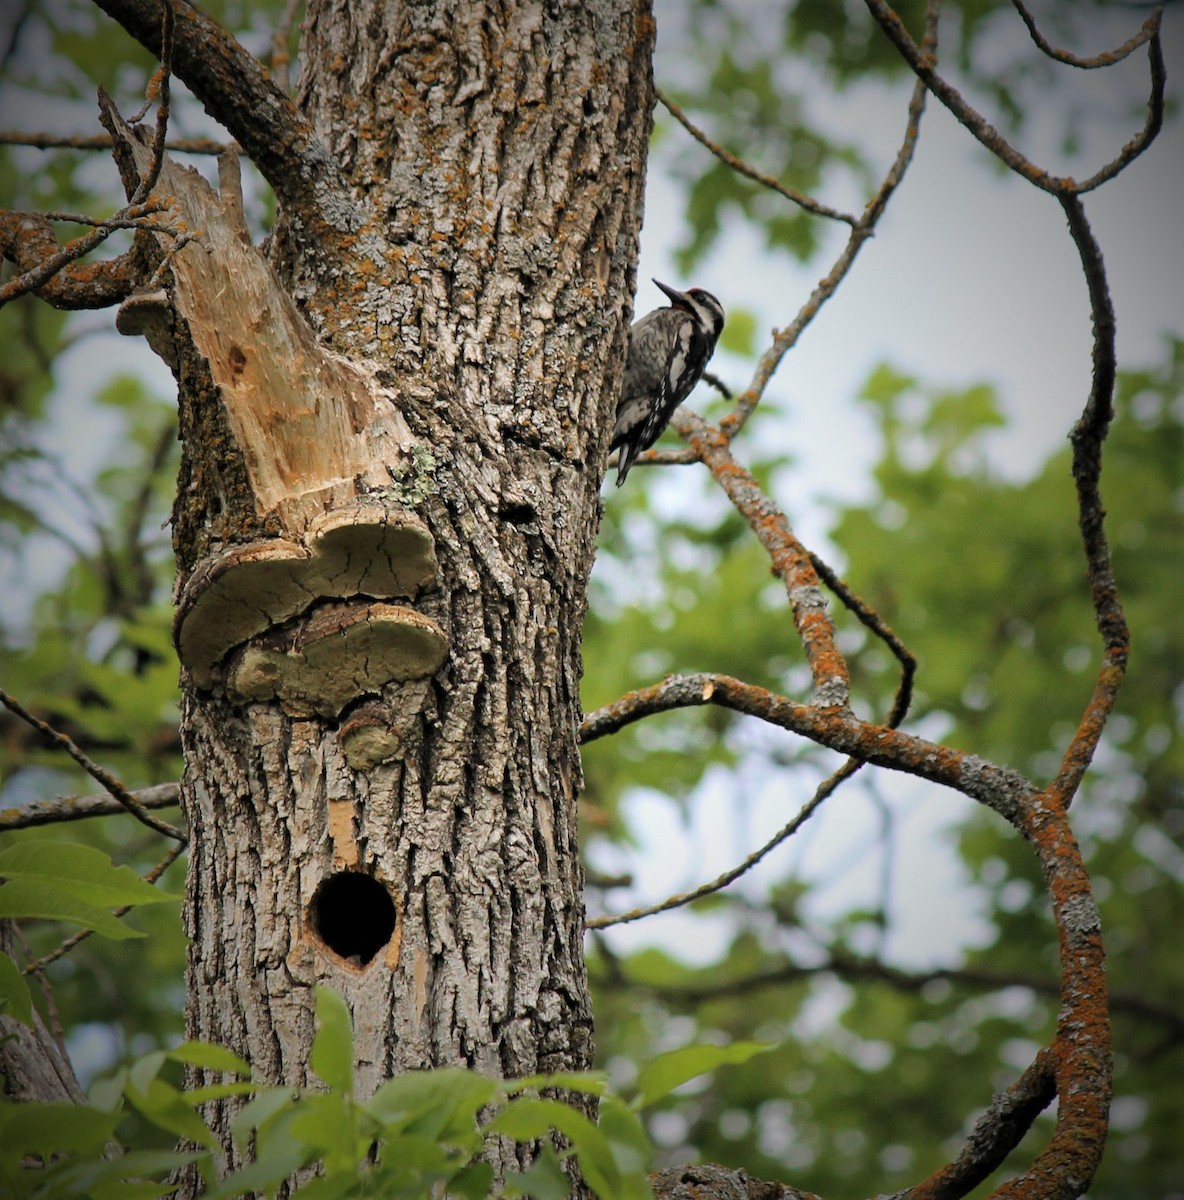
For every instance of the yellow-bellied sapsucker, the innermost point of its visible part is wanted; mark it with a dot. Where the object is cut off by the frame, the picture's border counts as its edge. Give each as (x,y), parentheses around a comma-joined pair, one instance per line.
(668,351)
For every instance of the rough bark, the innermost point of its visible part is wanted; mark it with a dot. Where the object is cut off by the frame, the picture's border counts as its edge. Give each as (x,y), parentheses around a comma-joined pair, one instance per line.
(33,1067)
(456,374)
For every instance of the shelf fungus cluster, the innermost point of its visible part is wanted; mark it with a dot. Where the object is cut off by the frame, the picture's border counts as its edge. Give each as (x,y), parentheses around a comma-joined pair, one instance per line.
(314,624)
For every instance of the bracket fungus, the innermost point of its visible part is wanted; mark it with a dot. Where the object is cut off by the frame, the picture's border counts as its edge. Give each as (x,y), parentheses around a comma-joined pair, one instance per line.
(337,653)
(366,550)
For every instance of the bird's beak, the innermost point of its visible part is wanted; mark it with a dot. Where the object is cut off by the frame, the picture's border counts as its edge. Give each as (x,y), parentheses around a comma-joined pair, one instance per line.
(674,294)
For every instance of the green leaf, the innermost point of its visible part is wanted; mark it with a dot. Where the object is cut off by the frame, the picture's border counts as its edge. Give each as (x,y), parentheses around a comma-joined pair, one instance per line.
(438,1104)
(15,998)
(260,1112)
(45,1130)
(274,1161)
(331,1187)
(630,1142)
(473,1182)
(169,1109)
(81,871)
(219,1091)
(37,898)
(589,1083)
(103,1178)
(209,1056)
(663,1074)
(327,1122)
(542,1180)
(526,1119)
(332,1055)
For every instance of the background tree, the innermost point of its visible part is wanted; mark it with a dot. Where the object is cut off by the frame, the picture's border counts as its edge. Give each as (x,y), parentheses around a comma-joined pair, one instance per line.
(95,701)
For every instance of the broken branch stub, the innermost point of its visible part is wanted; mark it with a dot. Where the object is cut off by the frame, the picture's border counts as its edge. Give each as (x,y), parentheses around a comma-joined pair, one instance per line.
(312,428)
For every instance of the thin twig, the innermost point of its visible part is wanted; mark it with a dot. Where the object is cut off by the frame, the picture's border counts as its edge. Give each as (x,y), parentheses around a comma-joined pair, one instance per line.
(92,768)
(102,141)
(36,277)
(785,339)
(281,56)
(66,946)
(53,1013)
(1087,438)
(923,66)
(853,967)
(139,221)
(872,621)
(158,84)
(824,790)
(742,168)
(1151,127)
(139,204)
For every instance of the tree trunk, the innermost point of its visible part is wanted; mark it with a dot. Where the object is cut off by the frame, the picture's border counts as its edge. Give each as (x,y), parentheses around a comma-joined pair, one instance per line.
(385,525)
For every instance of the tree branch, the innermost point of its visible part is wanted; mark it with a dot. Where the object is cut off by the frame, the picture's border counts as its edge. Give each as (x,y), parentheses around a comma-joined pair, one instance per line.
(64,948)
(825,789)
(785,339)
(102,141)
(923,66)
(742,168)
(852,967)
(92,768)
(1106,59)
(1087,439)
(235,90)
(78,808)
(53,272)
(791,561)
(280,56)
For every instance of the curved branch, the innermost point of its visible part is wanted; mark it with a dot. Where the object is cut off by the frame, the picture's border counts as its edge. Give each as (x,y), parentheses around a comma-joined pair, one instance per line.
(236,91)
(878,627)
(1087,439)
(1106,59)
(996,1134)
(924,68)
(1082,1044)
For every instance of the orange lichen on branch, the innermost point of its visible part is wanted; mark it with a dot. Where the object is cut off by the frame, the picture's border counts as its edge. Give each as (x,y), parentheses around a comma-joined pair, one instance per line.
(791,561)
(1079,1056)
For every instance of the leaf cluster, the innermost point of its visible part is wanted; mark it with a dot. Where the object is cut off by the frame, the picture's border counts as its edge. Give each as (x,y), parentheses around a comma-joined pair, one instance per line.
(422,1133)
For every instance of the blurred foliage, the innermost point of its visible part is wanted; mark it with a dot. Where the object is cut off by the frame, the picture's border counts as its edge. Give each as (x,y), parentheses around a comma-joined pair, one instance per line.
(1007,654)
(876,1074)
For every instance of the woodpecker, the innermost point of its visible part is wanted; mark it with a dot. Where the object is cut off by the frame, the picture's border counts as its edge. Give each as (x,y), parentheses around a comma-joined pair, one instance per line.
(668,350)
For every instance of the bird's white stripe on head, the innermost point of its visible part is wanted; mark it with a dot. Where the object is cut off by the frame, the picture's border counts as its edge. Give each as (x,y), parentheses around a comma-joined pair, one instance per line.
(708,310)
